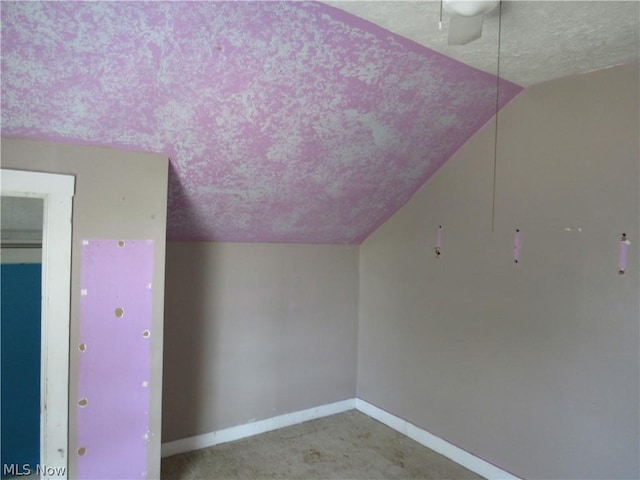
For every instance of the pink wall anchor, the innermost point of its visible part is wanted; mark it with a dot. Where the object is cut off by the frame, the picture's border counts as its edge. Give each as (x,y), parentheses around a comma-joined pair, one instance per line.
(624,246)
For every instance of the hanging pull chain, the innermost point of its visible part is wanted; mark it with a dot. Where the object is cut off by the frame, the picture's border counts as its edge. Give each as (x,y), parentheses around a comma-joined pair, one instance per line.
(495,138)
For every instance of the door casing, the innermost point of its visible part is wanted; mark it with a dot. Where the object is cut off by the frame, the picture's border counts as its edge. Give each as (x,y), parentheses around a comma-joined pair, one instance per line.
(57,192)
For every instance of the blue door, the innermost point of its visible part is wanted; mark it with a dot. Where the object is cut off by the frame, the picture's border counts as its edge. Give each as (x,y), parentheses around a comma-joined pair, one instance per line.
(20,356)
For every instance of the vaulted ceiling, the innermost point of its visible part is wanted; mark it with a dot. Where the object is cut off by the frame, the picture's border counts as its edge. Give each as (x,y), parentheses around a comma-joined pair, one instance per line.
(539,40)
(284,121)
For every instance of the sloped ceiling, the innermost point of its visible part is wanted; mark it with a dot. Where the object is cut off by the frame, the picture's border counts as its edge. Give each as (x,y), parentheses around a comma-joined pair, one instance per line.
(284,121)
(539,40)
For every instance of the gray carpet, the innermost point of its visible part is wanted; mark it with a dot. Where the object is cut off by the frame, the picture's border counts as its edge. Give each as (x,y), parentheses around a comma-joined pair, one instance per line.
(349,445)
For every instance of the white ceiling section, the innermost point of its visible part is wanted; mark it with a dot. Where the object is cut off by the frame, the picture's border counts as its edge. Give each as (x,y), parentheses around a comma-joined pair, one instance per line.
(540,40)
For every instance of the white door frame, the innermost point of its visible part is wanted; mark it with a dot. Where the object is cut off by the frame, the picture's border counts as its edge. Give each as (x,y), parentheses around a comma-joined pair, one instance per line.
(57,194)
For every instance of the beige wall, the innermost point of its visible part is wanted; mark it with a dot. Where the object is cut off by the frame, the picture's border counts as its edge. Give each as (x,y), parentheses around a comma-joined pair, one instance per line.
(118,195)
(256,330)
(531,366)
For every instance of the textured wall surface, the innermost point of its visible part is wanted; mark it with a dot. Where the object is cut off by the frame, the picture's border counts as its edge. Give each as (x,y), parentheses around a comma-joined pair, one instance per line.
(532,366)
(284,121)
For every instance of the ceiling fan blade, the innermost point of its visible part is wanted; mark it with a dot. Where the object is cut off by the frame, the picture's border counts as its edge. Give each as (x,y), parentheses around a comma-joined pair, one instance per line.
(463,30)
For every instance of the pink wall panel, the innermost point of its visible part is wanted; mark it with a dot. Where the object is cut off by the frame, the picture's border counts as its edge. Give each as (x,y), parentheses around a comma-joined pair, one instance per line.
(115,358)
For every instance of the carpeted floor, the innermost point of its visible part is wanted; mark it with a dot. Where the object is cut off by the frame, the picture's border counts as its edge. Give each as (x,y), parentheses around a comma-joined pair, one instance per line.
(349,445)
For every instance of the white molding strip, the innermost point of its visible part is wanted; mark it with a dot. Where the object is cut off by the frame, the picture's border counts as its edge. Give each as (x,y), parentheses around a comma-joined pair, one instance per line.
(437,444)
(249,429)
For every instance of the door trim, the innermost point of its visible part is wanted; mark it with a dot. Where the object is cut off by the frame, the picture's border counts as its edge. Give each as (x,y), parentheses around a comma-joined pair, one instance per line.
(57,193)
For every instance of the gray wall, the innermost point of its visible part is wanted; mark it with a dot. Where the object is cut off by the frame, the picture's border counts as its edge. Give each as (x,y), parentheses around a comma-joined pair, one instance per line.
(256,330)
(118,195)
(533,366)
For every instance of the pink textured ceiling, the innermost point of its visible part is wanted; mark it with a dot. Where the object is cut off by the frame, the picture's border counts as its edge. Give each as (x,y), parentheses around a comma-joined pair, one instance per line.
(284,121)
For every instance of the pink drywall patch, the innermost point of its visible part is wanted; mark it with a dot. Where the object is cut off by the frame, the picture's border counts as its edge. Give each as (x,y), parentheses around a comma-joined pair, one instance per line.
(114,359)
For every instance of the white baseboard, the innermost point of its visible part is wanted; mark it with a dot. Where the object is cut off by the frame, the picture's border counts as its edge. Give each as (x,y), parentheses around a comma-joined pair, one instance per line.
(249,429)
(437,444)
